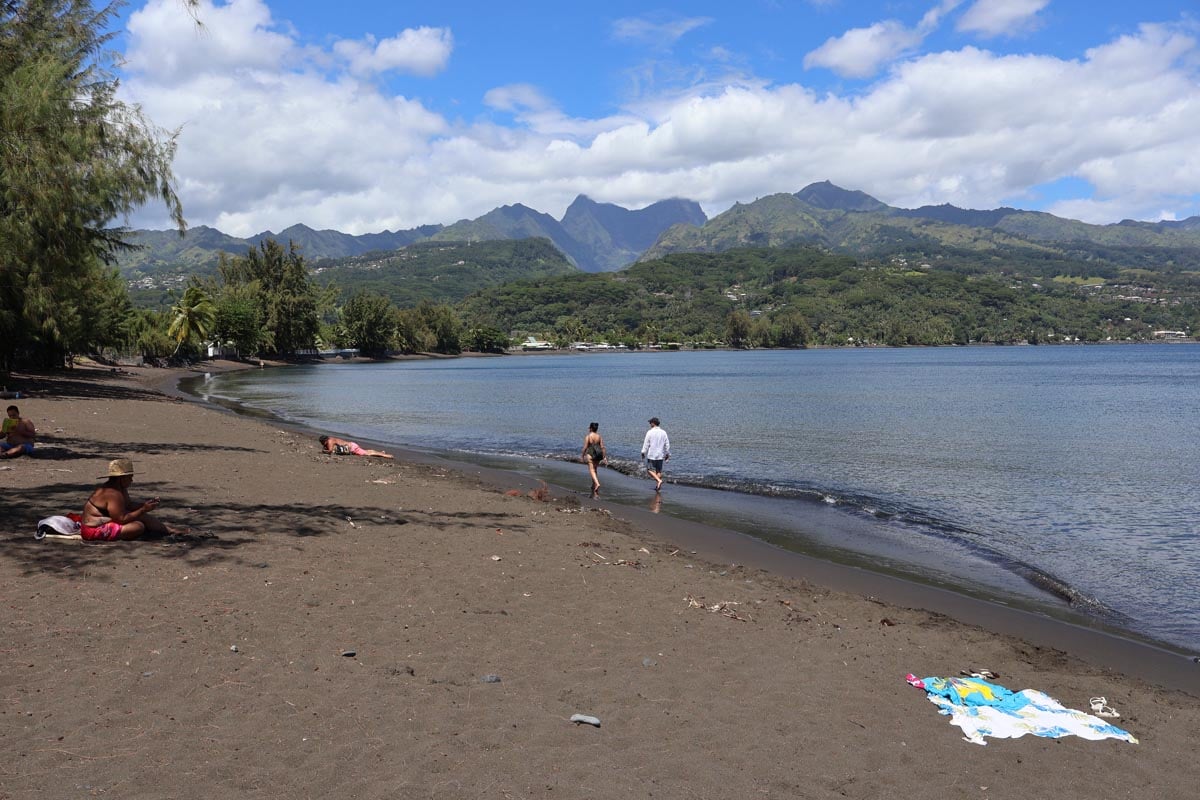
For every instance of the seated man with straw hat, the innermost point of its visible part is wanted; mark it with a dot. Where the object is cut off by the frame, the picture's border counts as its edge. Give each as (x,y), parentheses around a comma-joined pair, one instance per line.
(109,514)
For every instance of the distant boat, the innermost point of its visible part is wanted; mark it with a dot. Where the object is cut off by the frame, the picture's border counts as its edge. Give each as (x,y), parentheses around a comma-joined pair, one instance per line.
(531,343)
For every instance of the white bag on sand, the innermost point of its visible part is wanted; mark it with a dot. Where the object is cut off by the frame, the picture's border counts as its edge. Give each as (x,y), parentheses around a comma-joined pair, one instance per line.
(57,528)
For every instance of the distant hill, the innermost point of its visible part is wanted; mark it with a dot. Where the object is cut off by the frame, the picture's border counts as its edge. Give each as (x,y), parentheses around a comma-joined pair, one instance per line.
(444,272)
(611,237)
(597,237)
(826,195)
(199,248)
(159,250)
(601,237)
(335,244)
(514,222)
(853,222)
(786,296)
(594,236)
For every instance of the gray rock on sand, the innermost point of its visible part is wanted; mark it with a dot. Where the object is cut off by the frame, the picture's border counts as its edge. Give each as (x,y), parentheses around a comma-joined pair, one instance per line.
(584,719)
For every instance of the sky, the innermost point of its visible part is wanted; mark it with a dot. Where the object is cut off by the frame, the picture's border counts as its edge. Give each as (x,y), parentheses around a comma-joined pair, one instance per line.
(377,115)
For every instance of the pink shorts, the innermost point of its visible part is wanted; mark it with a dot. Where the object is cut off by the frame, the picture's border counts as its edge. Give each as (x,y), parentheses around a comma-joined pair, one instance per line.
(356,450)
(108,532)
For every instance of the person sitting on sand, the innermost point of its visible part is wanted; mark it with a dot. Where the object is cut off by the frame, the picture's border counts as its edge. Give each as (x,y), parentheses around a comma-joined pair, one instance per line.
(109,514)
(19,435)
(342,447)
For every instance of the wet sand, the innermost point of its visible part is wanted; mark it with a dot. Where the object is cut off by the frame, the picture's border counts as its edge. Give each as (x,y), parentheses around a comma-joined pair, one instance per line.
(336,638)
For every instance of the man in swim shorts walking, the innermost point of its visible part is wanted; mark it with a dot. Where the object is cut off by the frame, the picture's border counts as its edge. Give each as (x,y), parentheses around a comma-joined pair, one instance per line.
(656,449)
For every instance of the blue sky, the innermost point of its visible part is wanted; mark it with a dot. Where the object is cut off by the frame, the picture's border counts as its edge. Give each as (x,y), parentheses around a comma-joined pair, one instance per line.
(368,115)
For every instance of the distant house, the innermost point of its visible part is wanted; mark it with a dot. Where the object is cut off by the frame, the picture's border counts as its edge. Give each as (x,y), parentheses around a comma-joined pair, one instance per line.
(532,343)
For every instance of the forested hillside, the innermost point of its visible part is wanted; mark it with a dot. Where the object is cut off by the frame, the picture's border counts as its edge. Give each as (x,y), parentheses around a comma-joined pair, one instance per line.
(793,296)
(853,222)
(443,271)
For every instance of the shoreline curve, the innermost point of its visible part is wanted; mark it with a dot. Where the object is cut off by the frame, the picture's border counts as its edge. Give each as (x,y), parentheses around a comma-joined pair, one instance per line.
(1101,648)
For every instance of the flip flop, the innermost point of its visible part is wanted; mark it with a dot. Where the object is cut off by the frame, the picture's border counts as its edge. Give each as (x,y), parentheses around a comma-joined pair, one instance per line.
(1101,708)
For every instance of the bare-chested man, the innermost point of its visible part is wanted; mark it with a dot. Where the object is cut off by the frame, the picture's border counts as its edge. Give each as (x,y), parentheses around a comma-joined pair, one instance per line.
(20,435)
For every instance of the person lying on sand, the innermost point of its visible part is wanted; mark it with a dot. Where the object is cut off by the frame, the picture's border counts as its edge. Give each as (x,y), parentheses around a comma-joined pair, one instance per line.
(109,515)
(342,447)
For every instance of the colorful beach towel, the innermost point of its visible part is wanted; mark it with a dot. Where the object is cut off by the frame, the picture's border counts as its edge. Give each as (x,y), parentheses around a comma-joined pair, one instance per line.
(984,709)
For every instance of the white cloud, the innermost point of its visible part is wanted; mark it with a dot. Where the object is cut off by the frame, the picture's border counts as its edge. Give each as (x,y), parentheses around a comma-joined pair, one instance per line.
(419,51)
(272,134)
(861,52)
(658,34)
(515,97)
(238,35)
(539,115)
(933,16)
(1001,17)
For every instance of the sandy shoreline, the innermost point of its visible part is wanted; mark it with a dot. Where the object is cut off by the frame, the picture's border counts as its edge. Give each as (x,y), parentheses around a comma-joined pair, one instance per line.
(120,676)
(1097,644)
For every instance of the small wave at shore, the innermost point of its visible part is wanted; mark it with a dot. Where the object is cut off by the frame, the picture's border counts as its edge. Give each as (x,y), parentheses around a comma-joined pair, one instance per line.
(980,471)
(914,520)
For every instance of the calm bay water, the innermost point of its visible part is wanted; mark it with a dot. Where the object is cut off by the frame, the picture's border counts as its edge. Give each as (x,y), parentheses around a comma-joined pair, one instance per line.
(1026,474)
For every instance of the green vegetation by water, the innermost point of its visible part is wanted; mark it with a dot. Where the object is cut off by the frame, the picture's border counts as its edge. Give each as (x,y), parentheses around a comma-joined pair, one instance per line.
(271,302)
(794,296)
(443,272)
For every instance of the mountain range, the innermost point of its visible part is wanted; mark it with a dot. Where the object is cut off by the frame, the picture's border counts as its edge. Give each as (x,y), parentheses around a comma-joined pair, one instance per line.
(602,237)
(853,222)
(595,237)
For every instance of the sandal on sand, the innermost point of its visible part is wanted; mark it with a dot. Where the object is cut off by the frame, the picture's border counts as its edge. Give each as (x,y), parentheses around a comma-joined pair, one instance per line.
(983,674)
(1101,708)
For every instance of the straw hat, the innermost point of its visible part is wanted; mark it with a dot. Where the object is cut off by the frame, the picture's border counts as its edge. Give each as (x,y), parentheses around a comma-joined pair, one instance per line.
(119,468)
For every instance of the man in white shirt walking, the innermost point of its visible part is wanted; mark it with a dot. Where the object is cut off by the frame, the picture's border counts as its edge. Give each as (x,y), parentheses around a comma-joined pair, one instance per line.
(656,449)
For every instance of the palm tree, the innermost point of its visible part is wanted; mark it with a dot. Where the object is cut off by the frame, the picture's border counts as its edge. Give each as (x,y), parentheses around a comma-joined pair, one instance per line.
(192,317)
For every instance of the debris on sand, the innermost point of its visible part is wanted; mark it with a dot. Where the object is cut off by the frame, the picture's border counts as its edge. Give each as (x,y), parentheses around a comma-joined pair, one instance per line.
(724,608)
